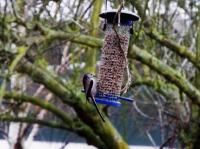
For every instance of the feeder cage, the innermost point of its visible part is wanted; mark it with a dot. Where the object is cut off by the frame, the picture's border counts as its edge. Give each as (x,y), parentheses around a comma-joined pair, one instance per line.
(113,56)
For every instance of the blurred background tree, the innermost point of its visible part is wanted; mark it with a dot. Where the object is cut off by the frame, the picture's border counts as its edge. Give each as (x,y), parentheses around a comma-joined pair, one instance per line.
(47,46)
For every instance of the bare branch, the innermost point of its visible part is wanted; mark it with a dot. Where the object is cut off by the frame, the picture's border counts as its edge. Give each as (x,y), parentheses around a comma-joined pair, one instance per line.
(151,138)
(140,112)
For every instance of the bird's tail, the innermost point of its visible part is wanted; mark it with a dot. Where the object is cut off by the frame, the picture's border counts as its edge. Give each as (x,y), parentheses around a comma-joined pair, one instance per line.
(95,104)
(93,100)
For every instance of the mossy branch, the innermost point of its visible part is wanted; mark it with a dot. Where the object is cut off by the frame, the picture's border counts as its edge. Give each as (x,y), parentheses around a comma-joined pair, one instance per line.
(41,103)
(51,34)
(95,17)
(166,89)
(74,125)
(138,5)
(144,57)
(86,112)
(170,74)
(90,55)
(165,41)
(177,48)
(97,43)
(141,55)
(33,120)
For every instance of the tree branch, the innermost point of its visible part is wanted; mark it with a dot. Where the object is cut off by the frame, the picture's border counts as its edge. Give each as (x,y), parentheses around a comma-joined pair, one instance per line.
(140,55)
(41,103)
(31,120)
(86,112)
(178,49)
(167,90)
(144,57)
(71,36)
(170,74)
(76,125)
(69,95)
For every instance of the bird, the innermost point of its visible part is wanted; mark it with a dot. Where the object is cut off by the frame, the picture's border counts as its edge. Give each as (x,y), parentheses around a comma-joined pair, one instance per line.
(89,84)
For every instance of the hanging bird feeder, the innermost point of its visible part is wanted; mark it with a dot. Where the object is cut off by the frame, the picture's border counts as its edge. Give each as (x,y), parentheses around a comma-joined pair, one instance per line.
(113,56)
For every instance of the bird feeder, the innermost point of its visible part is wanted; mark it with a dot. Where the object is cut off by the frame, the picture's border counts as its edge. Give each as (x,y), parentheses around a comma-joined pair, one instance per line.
(113,59)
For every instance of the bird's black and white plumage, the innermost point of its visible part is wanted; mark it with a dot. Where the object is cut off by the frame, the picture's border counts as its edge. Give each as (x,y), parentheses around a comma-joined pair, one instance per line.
(89,84)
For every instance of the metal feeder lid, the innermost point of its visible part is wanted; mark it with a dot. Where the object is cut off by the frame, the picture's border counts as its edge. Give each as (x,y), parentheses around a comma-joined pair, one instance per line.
(125,15)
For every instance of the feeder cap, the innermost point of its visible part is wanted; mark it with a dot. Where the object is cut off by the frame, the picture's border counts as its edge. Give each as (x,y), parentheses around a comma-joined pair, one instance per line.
(126,15)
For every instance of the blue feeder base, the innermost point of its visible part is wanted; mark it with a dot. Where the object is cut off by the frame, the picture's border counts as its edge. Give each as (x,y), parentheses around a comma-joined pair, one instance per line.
(108,102)
(110,99)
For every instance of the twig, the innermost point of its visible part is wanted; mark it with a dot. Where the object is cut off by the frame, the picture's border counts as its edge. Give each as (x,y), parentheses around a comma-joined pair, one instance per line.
(40,115)
(151,138)
(4,18)
(57,9)
(64,58)
(90,5)
(77,9)
(174,116)
(169,139)
(140,112)
(65,143)
(161,120)
(16,15)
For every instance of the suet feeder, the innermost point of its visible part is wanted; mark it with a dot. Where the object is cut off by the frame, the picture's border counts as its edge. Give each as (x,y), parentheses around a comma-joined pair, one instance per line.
(113,60)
